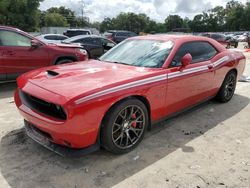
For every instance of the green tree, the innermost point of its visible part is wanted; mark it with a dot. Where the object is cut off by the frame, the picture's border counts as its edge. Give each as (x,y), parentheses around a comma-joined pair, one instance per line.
(66,13)
(219,14)
(130,21)
(234,16)
(246,15)
(173,22)
(55,20)
(23,14)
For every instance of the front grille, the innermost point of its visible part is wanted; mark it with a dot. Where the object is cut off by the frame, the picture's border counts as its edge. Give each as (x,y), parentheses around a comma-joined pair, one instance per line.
(42,106)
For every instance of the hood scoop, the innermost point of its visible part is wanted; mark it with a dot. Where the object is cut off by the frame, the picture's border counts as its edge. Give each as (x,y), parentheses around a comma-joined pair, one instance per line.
(51,73)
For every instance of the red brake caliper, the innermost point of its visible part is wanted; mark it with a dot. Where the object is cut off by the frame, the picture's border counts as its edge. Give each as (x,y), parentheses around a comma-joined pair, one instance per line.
(134,123)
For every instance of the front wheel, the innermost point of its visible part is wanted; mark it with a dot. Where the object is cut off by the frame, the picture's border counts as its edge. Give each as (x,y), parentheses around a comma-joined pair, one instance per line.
(227,89)
(124,126)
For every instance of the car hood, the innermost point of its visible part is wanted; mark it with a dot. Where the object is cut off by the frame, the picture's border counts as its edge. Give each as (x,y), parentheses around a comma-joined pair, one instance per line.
(85,78)
(65,45)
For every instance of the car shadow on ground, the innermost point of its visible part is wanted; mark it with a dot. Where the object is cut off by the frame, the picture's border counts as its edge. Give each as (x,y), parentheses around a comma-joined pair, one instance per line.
(24,163)
(7,90)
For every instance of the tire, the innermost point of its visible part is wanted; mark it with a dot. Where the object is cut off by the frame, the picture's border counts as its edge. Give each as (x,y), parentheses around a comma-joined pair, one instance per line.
(89,56)
(64,61)
(227,88)
(122,130)
(236,45)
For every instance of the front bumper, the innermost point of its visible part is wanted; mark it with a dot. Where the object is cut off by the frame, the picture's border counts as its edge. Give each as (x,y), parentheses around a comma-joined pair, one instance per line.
(72,133)
(41,138)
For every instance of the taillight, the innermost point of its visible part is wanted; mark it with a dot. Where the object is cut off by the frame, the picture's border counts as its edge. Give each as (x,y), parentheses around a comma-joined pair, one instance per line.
(110,37)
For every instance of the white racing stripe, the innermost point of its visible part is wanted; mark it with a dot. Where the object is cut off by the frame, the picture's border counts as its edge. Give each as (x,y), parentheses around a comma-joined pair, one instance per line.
(150,80)
(122,87)
(220,61)
(187,71)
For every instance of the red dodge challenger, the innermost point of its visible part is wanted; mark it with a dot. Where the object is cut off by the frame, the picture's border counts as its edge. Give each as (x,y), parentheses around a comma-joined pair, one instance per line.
(74,109)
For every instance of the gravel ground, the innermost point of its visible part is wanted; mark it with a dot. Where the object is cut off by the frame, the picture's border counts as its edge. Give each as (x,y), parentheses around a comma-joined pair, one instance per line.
(207,146)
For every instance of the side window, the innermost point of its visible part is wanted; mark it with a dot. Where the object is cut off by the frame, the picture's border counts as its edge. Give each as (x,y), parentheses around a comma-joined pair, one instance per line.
(121,34)
(91,40)
(86,40)
(132,34)
(200,51)
(108,43)
(96,41)
(205,35)
(61,37)
(50,37)
(9,38)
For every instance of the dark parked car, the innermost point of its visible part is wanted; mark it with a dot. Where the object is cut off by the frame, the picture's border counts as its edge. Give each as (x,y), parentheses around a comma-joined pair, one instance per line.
(232,41)
(76,32)
(93,44)
(118,36)
(21,52)
(219,38)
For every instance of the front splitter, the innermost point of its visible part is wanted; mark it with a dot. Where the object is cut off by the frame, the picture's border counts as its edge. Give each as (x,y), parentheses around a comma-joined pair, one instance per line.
(60,150)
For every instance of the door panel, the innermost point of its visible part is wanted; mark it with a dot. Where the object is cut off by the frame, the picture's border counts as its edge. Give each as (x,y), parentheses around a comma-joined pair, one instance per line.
(189,86)
(193,83)
(93,45)
(17,55)
(18,60)
(2,69)
(95,50)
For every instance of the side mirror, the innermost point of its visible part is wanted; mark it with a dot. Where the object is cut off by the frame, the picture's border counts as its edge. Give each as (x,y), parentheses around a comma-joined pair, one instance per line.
(35,43)
(186,60)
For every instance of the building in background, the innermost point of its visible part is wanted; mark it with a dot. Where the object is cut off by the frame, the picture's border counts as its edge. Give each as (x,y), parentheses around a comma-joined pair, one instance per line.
(61,30)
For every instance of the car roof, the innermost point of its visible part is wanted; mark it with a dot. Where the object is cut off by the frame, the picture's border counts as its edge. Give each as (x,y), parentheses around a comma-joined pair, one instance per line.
(52,34)
(84,36)
(179,39)
(78,29)
(165,37)
(9,28)
(114,31)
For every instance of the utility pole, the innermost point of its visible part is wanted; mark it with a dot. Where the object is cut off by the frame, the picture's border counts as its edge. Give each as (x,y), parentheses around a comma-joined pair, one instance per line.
(82,6)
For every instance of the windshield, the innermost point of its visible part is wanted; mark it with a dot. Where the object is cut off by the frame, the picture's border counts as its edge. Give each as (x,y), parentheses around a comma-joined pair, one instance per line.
(141,53)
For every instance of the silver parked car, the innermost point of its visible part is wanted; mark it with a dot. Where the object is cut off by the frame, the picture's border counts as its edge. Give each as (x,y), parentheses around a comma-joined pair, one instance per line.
(52,38)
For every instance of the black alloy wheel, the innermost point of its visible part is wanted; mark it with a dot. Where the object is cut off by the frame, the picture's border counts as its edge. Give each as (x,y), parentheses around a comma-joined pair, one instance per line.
(124,126)
(227,89)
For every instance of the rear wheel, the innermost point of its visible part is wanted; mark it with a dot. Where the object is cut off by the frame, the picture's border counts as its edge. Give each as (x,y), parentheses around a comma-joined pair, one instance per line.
(227,89)
(88,54)
(64,61)
(124,126)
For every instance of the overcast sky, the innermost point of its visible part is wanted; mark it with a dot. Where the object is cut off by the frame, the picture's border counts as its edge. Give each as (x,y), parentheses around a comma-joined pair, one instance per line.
(158,10)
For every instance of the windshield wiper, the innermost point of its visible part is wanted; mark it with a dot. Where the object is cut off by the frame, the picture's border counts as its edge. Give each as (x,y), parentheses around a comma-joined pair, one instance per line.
(117,62)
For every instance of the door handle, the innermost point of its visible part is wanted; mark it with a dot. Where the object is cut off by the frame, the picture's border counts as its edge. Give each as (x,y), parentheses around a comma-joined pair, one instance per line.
(8,52)
(210,67)
(11,53)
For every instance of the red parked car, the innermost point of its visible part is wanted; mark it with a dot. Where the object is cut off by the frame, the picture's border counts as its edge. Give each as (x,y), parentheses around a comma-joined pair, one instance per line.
(76,108)
(219,38)
(21,52)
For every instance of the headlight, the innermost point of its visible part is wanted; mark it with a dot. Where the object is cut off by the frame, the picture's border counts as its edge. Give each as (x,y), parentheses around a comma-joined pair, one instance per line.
(83,51)
(59,111)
